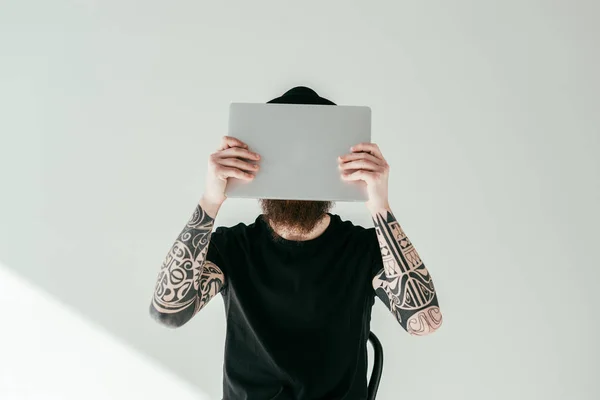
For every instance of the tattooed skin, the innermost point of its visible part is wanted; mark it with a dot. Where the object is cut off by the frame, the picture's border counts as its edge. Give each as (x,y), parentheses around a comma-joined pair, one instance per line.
(404,284)
(186,282)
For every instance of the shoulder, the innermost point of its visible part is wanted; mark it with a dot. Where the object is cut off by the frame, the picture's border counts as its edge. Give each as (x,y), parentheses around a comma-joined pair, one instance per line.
(349,227)
(358,235)
(238,230)
(228,240)
(364,245)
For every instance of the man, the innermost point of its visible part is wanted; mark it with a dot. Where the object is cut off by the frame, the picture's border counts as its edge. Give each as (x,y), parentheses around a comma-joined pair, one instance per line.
(299,283)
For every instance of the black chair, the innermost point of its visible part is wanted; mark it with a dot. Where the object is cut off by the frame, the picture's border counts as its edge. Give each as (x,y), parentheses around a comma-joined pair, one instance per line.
(377,366)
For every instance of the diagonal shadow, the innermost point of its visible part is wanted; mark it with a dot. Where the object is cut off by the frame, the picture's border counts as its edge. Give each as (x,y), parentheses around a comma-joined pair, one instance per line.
(72,356)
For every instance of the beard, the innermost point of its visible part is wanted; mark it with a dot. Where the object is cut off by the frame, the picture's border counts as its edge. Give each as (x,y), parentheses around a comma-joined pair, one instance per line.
(298,216)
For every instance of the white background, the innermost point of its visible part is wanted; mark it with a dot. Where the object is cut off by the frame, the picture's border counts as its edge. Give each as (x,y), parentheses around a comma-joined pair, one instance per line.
(487,112)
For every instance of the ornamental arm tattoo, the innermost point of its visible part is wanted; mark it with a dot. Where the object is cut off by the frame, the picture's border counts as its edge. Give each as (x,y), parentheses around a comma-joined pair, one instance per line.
(404,284)
(186,281)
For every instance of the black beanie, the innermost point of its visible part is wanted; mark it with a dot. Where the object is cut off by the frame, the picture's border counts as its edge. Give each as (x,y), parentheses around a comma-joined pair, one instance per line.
(301,95)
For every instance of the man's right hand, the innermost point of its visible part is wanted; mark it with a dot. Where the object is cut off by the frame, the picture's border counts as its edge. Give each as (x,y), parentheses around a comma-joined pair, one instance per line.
(232,160)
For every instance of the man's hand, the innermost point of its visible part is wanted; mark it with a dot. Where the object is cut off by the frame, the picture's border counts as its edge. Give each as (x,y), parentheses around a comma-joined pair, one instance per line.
(366,163)
(232,160)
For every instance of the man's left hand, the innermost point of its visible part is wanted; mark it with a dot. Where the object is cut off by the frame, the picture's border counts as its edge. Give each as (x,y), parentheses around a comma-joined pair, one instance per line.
(366,163)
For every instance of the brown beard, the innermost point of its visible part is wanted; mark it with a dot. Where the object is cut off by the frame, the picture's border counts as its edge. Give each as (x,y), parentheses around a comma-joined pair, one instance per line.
(295,215)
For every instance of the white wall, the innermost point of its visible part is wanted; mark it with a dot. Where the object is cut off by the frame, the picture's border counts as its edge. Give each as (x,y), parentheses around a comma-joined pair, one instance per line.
(51,352)
(487,112)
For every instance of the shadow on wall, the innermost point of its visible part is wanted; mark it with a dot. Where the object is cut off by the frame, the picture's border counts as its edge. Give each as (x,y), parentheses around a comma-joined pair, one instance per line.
(74,358)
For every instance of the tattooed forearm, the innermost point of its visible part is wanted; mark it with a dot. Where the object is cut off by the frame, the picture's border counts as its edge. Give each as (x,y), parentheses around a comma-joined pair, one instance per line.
(404,284)
(186,282)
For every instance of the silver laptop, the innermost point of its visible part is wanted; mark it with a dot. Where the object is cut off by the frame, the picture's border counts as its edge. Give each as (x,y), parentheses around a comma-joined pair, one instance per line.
(299,145)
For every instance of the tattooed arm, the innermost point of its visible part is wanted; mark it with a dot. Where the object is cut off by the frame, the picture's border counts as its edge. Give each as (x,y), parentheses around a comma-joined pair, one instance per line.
(404,284)
(187,281)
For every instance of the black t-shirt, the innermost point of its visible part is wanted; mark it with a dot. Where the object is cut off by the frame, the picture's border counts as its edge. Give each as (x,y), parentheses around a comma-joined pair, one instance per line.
(298,313)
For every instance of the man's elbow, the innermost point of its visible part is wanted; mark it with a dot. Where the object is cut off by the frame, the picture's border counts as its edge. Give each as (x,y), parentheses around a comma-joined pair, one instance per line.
(425,332)
(425,322)
(168,320)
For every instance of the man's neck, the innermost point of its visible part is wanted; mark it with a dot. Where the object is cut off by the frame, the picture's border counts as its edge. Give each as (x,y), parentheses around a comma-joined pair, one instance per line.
(290,234)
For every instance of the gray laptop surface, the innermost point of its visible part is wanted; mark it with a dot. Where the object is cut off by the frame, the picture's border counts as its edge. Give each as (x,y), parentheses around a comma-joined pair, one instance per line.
(299,146)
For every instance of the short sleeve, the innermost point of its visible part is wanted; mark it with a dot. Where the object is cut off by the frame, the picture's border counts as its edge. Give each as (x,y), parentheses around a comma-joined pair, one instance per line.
(375,253)
(216,249)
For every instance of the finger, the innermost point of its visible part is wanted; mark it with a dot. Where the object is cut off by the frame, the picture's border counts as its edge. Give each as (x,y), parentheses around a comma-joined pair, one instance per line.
(359,175)
(239,164)
(360,156)
(367,147)
(229,141)
(360,164)
(228,172)
(238,152)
